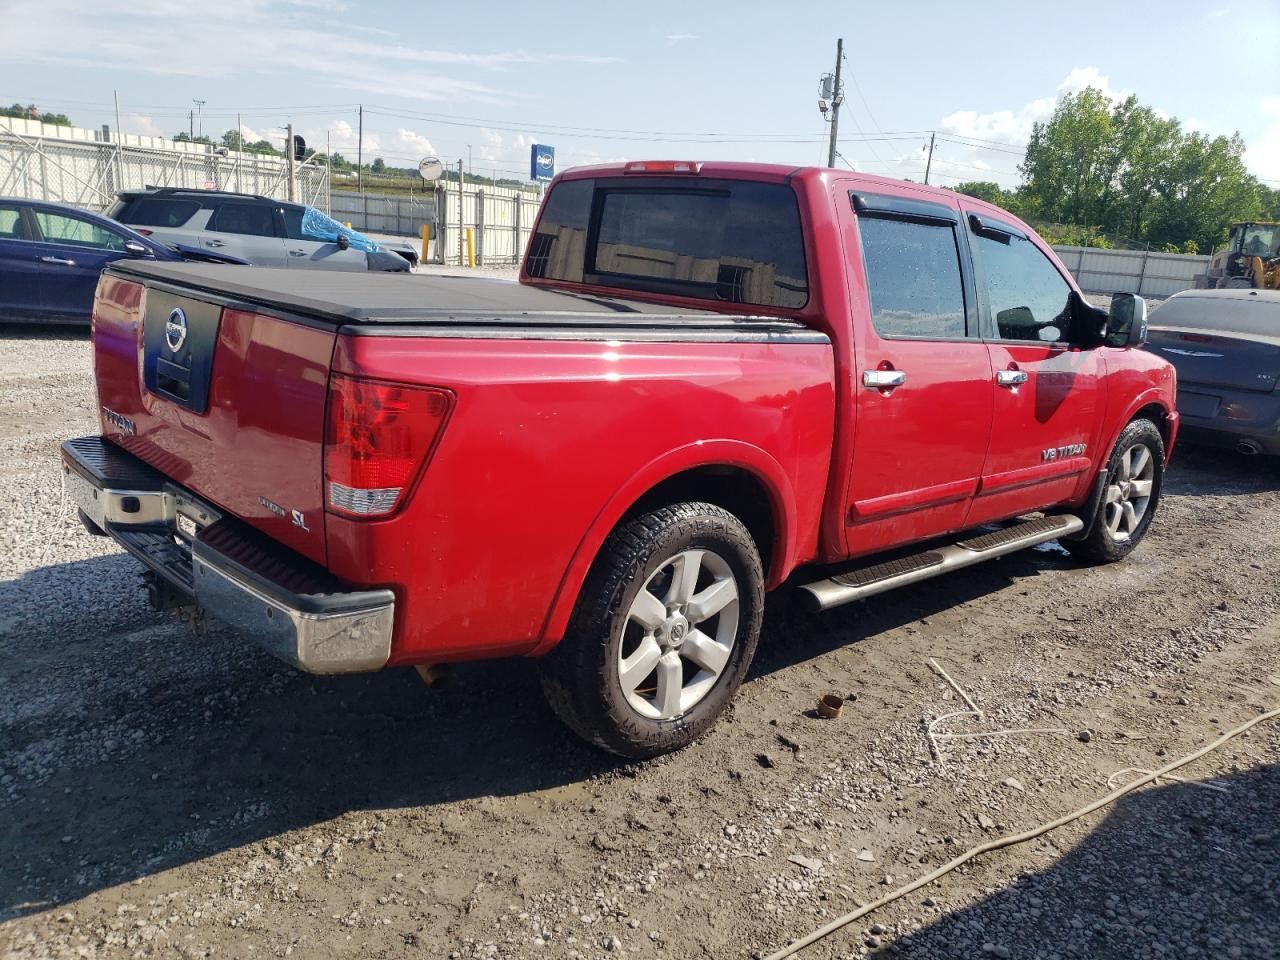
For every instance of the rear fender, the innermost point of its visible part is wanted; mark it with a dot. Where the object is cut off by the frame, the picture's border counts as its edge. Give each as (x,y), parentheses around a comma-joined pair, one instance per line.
(709,453)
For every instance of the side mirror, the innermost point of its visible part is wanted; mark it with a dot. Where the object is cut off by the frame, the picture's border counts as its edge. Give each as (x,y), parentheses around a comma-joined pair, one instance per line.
(135,249)
(343,242)
(1126,321)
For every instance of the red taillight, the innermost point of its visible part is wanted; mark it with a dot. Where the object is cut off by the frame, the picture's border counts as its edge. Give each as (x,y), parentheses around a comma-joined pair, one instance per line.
(1195,338)
(142,230)
(663,166)
(377,437)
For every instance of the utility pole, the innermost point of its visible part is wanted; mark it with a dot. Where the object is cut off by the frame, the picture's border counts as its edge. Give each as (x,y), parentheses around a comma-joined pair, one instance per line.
(328,176)
(462,256)
(933,135)
(360,152)
(191,124)
(364,203)
(118,173)
(200,113)
(293,163)
(837,97)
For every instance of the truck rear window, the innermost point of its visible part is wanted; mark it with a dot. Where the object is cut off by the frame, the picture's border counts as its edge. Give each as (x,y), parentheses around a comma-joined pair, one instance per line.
(728,240)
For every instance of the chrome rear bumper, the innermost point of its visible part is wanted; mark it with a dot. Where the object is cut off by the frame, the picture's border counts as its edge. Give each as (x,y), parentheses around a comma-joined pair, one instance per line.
(293,608)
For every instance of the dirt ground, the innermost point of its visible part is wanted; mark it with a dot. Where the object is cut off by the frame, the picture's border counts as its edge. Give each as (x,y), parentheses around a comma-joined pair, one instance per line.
(165,793)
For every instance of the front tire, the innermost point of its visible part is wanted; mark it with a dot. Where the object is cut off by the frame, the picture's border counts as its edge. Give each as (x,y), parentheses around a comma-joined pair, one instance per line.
(663,633)
(1135,473)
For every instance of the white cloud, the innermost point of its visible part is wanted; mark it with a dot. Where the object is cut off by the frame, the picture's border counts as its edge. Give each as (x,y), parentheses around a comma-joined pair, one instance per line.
(1262,155)
(1013,128)
(278,38)
(407,141)
(141,126)
(1081,77)
(674,38)
(343,139)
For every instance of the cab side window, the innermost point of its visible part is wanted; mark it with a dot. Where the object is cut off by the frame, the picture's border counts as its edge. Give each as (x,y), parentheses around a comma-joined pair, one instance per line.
(1028,297)
(913,277)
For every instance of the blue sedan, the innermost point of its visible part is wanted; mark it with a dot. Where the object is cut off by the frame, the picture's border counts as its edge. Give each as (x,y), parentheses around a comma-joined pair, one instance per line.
(51,255)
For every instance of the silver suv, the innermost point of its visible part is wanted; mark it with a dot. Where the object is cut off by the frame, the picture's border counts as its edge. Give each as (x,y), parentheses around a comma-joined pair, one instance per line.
(266,232)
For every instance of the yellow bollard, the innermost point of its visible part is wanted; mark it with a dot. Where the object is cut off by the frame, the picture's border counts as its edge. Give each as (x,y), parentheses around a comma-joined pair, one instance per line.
(347,224)
(471,246)
(426,243)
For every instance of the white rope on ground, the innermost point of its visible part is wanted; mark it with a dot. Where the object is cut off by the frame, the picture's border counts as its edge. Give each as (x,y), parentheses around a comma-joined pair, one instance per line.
(998,733)
(937,668)
(930,730)
(841,922)
(1192,783)
(57,521)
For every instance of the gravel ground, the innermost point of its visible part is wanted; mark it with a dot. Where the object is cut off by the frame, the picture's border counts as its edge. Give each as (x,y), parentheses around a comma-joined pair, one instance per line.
(166,792)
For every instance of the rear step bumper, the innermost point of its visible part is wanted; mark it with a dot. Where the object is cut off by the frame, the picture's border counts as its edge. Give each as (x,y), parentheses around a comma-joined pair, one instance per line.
(289,605)
(878,578)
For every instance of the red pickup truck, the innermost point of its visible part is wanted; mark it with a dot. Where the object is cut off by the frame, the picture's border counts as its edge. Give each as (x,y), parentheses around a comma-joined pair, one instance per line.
(712,380)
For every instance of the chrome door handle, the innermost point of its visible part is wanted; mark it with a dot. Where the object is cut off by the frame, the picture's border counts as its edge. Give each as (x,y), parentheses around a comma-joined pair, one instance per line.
(214,243)
(61,260)
(297,253)
(1011,378)
(883,379)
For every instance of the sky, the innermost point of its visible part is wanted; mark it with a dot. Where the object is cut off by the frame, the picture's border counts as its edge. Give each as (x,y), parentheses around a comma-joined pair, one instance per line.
(696,80)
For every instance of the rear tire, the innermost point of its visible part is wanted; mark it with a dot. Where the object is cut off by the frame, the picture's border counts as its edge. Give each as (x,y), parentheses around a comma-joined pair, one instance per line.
(1135,473)
(663,633)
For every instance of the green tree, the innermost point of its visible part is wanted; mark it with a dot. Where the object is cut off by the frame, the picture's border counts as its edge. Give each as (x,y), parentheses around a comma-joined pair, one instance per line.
(378,166)
(32,112)
(1144,147)
(1269,202)
(1070,160)
(1206,190)
(985,190)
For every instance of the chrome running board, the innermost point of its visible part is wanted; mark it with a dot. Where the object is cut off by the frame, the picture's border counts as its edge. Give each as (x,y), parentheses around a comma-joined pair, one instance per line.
(867,581)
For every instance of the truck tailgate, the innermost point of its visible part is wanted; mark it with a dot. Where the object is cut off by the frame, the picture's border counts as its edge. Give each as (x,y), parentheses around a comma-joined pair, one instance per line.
(227,402)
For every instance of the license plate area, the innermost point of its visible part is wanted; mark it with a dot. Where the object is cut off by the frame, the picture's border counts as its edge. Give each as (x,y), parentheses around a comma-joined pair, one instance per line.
(1198,404)
(190,516)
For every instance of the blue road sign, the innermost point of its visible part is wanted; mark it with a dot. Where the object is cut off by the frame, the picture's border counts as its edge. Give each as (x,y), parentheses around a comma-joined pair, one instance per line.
(542,162)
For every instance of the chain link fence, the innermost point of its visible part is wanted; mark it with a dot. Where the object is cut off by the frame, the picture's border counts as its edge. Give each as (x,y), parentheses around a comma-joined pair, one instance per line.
(89,173)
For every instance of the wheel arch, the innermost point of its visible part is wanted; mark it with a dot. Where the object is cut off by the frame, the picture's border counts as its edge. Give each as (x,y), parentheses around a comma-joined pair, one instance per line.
(737,476)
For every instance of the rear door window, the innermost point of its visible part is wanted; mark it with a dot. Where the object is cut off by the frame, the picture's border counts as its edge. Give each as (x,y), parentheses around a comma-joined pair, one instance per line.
(12,225)
(158,212)
(913,277)
(724,240)
(247,219)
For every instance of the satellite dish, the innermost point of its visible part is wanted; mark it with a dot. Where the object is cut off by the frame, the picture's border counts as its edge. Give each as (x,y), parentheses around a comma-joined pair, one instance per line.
(430,168)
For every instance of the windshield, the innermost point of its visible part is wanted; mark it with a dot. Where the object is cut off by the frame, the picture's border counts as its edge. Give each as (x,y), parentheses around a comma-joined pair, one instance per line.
(315,225)
(1260,241)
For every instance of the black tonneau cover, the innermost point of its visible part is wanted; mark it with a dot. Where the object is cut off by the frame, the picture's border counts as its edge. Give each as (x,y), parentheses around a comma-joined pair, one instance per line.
(388,298)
